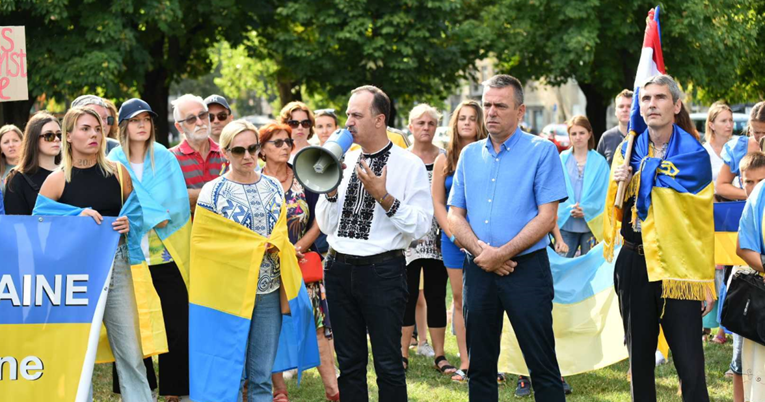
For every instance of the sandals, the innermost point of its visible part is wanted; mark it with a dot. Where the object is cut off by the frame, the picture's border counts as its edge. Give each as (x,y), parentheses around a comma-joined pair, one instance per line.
(501,378)
(459,376)
(281,396)
(720,340)
(446,368)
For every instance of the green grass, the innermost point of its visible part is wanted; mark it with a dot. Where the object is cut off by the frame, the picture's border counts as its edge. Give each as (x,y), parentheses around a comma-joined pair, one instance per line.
(425,384)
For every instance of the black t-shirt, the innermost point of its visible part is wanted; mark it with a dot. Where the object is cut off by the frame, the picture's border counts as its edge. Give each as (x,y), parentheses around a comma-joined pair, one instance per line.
(627,232)
(91,188)
(21,192)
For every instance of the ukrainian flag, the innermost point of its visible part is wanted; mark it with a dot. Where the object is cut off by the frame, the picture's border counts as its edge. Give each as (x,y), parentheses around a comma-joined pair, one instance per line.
(163,197)
(750,232)
(733,151)
(593,197)
(727,216)
(49,328)
(225,264)
(589,334)
(675,205)
(150,320)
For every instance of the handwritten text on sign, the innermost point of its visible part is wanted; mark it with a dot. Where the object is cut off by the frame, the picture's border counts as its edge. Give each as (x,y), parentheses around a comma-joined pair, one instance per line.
(13,64)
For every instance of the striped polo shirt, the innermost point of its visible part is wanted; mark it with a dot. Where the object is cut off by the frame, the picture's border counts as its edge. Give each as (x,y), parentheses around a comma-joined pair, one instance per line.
(197,171)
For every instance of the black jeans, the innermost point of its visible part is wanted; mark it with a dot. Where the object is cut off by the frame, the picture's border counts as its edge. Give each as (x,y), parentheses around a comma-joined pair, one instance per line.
(435,277)
(526,296)
(361,298)
(641,306)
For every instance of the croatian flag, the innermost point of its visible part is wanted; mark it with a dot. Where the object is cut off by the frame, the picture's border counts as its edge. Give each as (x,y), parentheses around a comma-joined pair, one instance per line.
(651,63)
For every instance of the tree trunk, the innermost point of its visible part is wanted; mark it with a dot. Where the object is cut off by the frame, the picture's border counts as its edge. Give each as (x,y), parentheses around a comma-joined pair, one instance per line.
(393,114)
(597,106)
(287,93)
(156,89)
(16,112)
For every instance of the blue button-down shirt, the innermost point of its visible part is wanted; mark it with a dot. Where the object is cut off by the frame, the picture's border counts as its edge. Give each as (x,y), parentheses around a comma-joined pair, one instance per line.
(502,191)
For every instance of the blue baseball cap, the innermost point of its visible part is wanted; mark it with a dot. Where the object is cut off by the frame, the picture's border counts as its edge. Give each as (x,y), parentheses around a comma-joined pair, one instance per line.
(134,107)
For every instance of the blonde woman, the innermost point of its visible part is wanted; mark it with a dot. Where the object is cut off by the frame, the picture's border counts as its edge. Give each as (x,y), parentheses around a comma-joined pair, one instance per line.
(10,150)
(734,150)
(90,182)
(718,131)
(466,126)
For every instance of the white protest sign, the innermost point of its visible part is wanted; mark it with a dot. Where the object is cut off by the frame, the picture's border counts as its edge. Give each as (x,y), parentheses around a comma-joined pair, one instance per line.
(13,64)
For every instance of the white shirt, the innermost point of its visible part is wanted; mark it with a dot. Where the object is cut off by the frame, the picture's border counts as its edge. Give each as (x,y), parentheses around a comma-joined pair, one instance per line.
(356,224)
(715,160)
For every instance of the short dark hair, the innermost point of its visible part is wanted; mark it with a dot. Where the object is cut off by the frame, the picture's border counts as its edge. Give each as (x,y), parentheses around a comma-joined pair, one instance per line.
(752,160)
(504,80)
(380,102)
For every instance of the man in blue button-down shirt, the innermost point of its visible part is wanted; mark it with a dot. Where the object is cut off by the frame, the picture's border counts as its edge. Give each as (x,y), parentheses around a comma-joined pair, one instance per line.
(504,202)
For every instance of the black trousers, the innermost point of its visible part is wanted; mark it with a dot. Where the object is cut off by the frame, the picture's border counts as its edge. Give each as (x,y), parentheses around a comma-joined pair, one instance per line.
(526,296)
(368,297)
(174,365)
(434,278)
(641,306)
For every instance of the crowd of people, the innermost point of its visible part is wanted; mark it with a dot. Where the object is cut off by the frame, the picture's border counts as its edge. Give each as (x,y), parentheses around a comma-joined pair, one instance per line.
(404,220)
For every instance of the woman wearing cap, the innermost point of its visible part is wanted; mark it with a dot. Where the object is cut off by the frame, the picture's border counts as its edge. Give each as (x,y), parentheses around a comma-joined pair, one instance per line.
(161,191)
(91,185)
(10,147)
(300,118)
(326,124)
(303,231)
(40,156)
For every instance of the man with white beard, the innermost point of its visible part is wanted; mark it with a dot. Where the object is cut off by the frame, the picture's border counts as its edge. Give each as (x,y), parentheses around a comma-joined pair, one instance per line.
(200,157)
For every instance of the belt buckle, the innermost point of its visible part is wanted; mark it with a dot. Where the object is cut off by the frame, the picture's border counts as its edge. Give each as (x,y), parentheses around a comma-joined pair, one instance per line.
(640,249)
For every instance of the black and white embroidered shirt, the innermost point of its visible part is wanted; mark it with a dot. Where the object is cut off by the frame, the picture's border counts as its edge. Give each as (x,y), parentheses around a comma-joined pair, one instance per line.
(356,224)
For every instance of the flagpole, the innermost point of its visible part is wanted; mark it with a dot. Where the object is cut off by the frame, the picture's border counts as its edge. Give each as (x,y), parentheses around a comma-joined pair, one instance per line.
(619,200)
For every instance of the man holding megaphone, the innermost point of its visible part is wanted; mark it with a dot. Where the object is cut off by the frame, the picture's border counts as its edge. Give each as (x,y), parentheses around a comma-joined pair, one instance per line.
(369,221)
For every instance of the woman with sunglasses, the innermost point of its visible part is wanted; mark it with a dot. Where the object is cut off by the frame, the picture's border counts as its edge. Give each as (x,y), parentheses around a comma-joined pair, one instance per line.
(10,145)
(303,230)
(40,156)
(99,187)
(161,191)
(300,118)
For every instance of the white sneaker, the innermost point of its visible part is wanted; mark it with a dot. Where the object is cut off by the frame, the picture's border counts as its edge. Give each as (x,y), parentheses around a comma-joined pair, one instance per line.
(660,359)
(426,350)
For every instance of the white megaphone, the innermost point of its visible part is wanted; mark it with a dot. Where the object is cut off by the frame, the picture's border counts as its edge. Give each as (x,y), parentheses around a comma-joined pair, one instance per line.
(319,169)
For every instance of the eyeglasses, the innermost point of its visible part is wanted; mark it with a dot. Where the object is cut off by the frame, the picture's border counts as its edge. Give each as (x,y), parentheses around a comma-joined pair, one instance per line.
(222,116)
(239,151)
(204,116)
(110,120)
(295,123)
(50,136)
(278,143)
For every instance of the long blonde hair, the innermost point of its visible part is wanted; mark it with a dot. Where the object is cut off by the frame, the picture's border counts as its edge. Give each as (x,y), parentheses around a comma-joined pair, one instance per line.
(68,126)
(124,138)
(714,111)
(455,145)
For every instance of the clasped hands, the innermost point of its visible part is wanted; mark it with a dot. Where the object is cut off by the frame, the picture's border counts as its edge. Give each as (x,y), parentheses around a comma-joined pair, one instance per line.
(491,259)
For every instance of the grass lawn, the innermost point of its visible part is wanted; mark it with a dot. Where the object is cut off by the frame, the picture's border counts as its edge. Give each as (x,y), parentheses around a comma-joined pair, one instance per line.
(425,384)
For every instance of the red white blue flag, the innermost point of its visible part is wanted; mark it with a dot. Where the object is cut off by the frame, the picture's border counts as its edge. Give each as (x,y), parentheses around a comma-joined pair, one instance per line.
(651,63)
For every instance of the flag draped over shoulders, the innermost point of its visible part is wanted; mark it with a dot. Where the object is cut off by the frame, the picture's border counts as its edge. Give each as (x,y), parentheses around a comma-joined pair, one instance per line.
(733,151)
(163,196)
(674,202)
(150,319)
(593,197)
(225,266)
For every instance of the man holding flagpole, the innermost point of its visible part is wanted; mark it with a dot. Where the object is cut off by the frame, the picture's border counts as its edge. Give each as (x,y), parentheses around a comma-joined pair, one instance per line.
(664,275)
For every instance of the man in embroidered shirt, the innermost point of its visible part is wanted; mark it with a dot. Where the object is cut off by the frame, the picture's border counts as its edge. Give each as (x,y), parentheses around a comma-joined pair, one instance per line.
(369,221)
(200,157)
(504,201)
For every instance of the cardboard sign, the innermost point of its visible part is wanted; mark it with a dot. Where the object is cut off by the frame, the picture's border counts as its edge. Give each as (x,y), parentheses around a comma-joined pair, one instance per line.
(13,64)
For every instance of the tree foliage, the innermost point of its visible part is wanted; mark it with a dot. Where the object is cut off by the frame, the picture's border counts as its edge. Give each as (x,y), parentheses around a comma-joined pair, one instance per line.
(598,43)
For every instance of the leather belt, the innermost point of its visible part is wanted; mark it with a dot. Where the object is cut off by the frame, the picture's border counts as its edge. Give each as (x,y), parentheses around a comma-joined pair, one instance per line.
(638,248)
(365,260)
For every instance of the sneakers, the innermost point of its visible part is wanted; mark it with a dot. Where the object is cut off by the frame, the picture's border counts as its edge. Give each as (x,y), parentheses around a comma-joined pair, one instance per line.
(523,388)
(660,359)
(426,350)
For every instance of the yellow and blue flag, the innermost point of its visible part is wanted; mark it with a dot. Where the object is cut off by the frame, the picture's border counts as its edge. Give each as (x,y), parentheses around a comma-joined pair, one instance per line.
(593,197)
(727,217)
(589,334)
(674,203)
(150,320)
(163,196)
(53,289)
(225,265)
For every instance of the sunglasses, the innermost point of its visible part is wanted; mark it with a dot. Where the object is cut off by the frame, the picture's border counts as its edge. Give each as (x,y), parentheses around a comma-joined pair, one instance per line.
(51,136)
(204,116)
(278,143)
(110,120)
(295,123)
(239,151)
(222,116)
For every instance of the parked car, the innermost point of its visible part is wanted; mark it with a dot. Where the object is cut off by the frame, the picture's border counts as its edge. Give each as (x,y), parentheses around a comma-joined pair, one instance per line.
(740,121)
(558,134)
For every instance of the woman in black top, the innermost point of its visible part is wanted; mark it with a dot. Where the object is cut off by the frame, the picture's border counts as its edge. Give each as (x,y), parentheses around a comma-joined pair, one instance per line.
(88,180)
(40,156)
